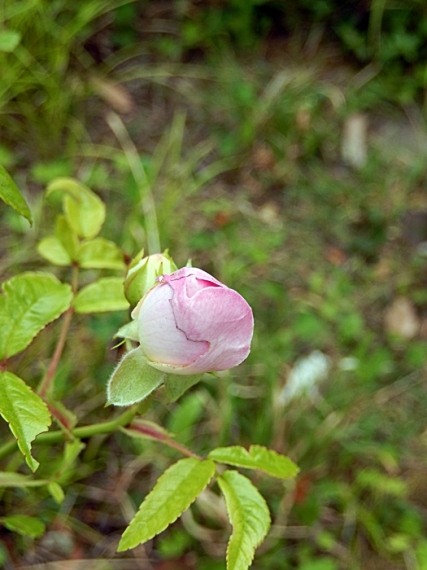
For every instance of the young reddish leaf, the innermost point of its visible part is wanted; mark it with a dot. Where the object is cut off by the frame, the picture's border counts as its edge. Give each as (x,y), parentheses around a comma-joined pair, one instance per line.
(258,457)
(103,295)
(144,429)
(10,194)
(25,412)
(29,303)
(173,493)
(249,517)
(132,380)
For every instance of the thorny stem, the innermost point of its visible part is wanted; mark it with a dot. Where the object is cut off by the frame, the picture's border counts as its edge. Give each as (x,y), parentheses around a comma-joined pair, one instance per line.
(50,374)
(79,432)
(140,176)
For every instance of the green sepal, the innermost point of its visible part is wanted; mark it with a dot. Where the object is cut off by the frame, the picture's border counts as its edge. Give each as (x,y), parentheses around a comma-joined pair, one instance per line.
(10,194)
(257,457)
(249,517)
(84,210)
(25,525)
(25,412)
(173,493)
(103,295)
(129,331)
(141,277)
(30,302)
(176,385)
(100,253)
(132,380)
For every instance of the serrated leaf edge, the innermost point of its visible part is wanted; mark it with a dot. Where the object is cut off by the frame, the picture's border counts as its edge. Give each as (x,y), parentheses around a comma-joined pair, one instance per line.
(255,544)
(152,535)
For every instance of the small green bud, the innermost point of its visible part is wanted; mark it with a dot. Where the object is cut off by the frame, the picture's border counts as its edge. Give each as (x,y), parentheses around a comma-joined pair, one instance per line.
(141,277)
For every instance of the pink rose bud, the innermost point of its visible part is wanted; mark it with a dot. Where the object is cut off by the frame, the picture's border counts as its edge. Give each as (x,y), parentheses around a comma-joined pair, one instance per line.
(190,323)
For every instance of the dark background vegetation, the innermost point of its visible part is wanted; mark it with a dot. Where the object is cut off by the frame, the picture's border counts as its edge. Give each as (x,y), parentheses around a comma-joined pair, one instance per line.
(244,114)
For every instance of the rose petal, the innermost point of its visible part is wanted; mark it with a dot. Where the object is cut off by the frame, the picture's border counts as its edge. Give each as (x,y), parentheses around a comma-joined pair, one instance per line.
(159,336)
(218,315)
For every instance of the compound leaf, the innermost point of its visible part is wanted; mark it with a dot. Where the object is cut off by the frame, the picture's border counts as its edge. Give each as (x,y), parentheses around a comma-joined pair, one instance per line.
(29,303)
(25,412)
(249,517)
(258,457)
(84,210)
(173,493)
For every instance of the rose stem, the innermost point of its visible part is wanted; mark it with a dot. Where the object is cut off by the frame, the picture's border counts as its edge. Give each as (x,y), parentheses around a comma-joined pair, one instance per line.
(50,374)
(79,432)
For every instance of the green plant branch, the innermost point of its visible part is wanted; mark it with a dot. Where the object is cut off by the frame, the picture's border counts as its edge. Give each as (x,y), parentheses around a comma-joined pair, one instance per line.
(79,432)
(140,176)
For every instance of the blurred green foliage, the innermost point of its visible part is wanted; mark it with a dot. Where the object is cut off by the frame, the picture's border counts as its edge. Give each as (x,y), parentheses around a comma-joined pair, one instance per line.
(242,153)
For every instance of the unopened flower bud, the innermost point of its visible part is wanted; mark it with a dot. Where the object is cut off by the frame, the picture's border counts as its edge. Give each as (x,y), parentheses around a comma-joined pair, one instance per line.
(190,323)
(142,276)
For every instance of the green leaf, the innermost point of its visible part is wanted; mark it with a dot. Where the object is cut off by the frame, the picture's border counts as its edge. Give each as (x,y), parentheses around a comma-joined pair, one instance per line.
(258,457)
(177,385)
(9,40)
(173,493)
(132,380)
(84,210)
(30,302)
(249,517)
(10,194)
(128,331)
(25,412)
(56,492)
(67,236)
(52,249)
(103,295)
(25,525)
(100,253)
(18,480)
